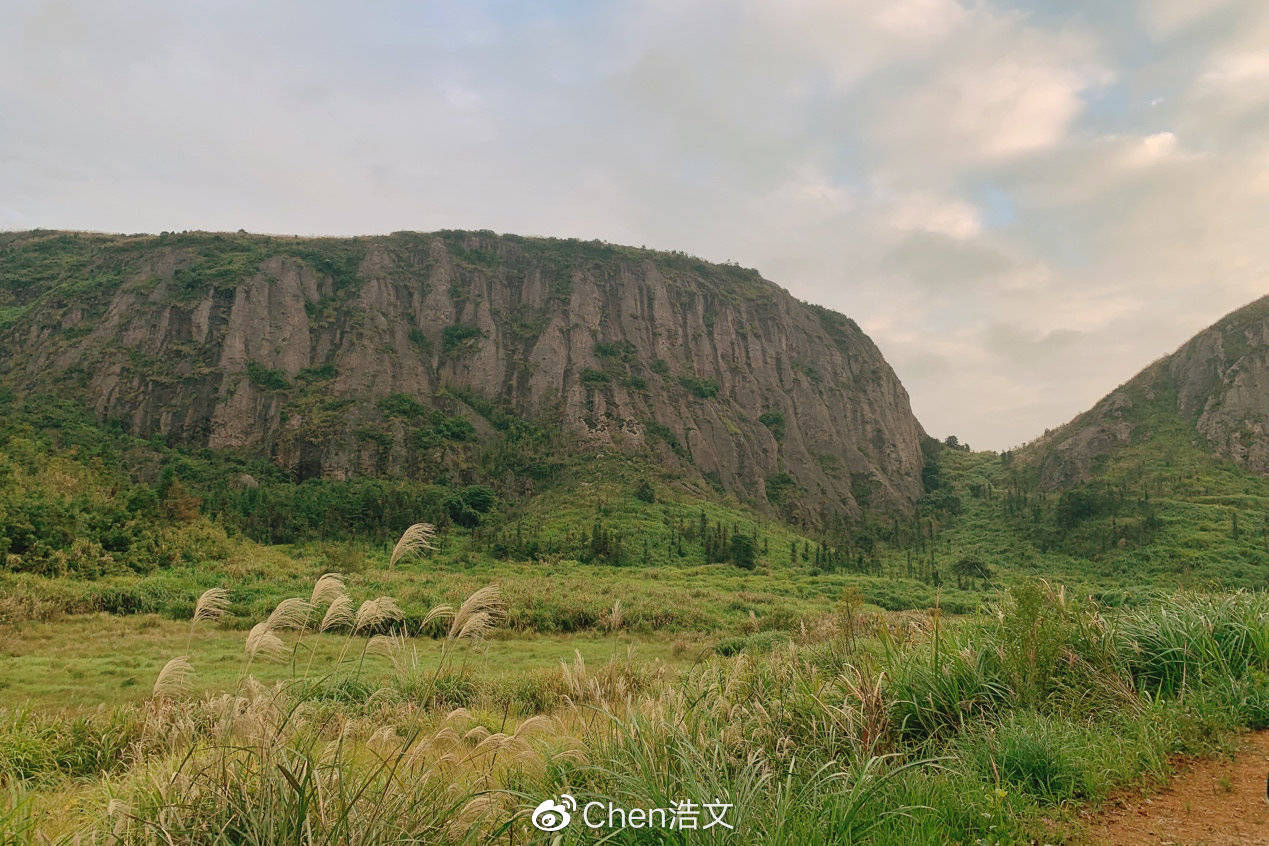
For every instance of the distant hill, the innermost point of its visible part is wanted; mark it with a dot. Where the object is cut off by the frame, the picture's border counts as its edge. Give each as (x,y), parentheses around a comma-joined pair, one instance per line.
(406,355)
(1212,394)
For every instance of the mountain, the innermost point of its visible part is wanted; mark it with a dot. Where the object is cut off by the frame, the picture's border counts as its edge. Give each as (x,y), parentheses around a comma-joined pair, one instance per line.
(1212,393)
(400,355)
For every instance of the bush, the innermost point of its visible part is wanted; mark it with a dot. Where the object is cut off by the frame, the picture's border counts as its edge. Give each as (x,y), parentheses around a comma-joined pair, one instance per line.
(619,350)
(644,492)
(263,377)
(460,337)
(700,388)
(744,551)
(758,642)
(774,421)
(401,405)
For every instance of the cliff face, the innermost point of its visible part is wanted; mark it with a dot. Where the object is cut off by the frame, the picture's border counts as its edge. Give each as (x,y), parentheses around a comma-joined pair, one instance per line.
(1217,383)
(318,351)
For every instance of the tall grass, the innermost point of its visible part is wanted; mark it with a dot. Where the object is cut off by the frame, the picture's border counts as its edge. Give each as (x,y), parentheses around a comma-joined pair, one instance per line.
(980,734)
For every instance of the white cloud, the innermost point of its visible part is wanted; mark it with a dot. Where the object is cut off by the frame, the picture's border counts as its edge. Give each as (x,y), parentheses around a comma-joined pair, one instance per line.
(953,218)
(1241,68)
(1152,149)
(1023,207)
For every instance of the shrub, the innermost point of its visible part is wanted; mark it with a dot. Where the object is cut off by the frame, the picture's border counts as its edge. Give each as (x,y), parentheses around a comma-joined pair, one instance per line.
(460,337)
(700,388)
(774,421)
(744,551)
(455,428)
(757,643)
(644,492)
(263,377)
(779,487)
(401,405)
(619,350)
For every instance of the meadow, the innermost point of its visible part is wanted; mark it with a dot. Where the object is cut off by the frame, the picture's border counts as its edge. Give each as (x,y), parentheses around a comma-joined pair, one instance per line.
(189,658)
(331,720)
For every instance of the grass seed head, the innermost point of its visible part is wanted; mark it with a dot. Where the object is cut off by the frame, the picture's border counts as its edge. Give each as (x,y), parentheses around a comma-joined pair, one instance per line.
(263,643)
(482,611)
(375,612)
(291,613)
(328,588)
(340,614)
(212,605)
(415,540)
(174,679)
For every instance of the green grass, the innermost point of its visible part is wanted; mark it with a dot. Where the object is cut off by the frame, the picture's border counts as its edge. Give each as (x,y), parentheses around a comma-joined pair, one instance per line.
(813,741)
(82,662)
(1111,555)
(665,670)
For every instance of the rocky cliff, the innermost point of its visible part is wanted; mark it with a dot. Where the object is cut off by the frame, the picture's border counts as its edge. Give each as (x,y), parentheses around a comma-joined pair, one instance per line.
(1216,386)
(320,352)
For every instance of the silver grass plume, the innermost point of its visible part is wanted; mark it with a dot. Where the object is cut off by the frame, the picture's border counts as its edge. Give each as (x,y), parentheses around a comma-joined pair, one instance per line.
(375,612)
(414,541)
(291,613)
(328,588)
(483,610)
(339,615)
(262,642)
(212,605)
(175,678)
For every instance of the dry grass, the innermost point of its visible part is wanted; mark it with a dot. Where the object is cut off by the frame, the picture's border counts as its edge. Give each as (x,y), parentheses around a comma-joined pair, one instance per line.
(175,679)
(414,541)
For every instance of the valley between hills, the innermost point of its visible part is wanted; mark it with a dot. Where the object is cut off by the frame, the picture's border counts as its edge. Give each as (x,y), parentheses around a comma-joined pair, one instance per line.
(391,538)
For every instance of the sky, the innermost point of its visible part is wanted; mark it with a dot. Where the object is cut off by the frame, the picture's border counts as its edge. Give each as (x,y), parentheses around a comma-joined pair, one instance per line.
(1022,203)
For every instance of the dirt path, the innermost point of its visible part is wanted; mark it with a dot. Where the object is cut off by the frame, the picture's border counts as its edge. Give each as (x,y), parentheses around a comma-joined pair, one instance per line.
(1213,802)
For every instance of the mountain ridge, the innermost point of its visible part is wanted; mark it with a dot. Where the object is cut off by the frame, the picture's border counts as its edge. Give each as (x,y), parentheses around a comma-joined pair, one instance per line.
(1215,386)
(347,356)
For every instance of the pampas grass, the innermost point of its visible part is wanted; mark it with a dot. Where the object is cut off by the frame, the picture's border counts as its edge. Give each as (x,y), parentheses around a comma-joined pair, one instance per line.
(212,605)
(262,642)
(174,679)
(416,540)
(341,614)
(328,588)
(374,613)
(483,610)
(293,613)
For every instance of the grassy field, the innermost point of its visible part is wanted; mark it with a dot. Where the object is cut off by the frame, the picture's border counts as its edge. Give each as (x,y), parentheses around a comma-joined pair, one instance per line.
(863,726)
(650,641)
(85,661)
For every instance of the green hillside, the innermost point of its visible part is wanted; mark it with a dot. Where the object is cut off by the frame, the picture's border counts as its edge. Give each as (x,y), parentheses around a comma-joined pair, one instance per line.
(601,622)
(94,519)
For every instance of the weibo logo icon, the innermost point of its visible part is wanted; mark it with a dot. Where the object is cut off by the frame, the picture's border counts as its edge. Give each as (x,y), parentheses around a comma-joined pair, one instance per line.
(553,816)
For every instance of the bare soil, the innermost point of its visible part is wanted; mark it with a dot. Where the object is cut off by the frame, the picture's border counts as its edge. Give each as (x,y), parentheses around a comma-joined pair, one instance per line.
(1212,802)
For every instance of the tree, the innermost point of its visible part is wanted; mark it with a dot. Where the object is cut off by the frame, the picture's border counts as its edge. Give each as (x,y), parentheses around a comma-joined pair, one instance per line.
(971,567)
(744,552)
(644,491)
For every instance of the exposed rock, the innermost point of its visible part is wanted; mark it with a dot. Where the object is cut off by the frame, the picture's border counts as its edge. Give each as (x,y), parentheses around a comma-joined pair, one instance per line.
(285,345)
(1217,383)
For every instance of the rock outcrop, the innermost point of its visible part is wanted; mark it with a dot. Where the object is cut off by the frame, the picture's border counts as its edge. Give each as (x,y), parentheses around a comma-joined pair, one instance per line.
(1216,386)
(303,348)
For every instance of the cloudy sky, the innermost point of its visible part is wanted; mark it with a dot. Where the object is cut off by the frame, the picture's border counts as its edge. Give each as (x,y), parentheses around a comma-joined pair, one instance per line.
(1022,206)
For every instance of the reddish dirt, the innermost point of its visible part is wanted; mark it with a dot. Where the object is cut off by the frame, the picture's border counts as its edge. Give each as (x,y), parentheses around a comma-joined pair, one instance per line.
(1211,803)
